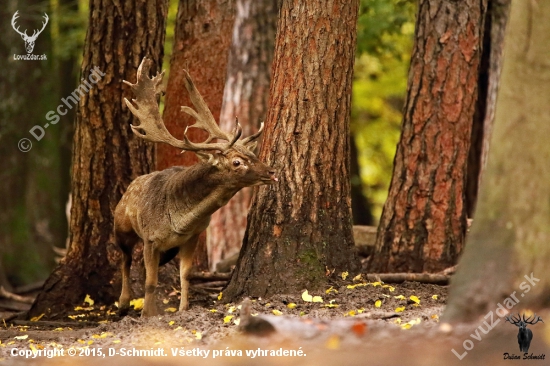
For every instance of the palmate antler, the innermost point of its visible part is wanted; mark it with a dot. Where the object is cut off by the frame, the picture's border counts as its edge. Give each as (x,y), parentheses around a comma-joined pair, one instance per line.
(152,127)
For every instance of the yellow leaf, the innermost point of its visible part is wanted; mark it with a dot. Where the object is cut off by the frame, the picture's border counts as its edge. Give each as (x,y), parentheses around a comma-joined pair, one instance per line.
(171,322)
(178,328)
(58,329)
(33,348)
(291,305)
(406,326)
(400,297)
(378,303)
(137,303)
(331,304)
(232,309)
(116,341)
(400,309)
(345,275)
(317,299)
(435,317)
(434,297)
(220,296)
(88,300)
(213,310)
(237,321)
(198,335)
(165,301)
(21,337)
(356,285)
(276,312)
(333,342)
(331,289)
(376,284)
(80,308)
(360,311)
(302,313)
(90,342)
(306,296)
(227,319)
(350,313)
(170,310)
(37,318)
(415,299)
(359,277)
(391,288)
(397,321)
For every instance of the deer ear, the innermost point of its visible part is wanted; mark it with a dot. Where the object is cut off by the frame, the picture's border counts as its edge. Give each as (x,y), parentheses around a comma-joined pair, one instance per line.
(251,146)
(207,158)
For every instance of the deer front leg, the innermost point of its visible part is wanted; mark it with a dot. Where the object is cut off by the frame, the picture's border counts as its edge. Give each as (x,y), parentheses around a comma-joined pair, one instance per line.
(186,262)
(126,294)
(151,258)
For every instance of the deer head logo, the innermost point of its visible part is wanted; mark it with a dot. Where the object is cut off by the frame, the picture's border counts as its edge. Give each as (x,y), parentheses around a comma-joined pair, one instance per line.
(525,335)
(29,40)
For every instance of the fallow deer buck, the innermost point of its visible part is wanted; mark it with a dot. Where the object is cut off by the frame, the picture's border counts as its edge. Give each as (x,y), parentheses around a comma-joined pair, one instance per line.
(169,209)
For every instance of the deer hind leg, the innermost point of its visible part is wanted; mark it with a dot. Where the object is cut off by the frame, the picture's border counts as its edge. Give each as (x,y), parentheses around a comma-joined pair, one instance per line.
(126,244)
(151,258)
(186,262)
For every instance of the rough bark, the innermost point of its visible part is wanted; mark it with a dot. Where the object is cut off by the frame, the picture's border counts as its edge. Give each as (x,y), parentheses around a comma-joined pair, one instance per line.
(201,45)
(245,96)
(106,155)
(489,76)
(300,229)
(423,223)
(509,236)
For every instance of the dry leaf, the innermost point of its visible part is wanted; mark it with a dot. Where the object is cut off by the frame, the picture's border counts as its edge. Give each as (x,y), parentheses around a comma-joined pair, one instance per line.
(434,297)
(171,322)
(359,328)
(137,303)
(291,305)
(220,296)
(21,337)
(88,300)
(359,277)
(331,289)
(345,275)
(399,309)
(276,312)
(377,303)
(37,318)
(400,297)
(170,310)
(227,319)
(415,299)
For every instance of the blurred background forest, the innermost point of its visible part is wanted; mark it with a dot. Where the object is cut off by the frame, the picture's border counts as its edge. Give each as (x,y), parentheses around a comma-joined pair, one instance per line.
(35,186)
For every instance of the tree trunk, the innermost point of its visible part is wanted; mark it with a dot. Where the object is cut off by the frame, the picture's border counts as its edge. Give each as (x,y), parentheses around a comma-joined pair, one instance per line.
(423,223)
(106,155)
(300,229)
(201,45)
(489,76)
(510,233)
(245,96)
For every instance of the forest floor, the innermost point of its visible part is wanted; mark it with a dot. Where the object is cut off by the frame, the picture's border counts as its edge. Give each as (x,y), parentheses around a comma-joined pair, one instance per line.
(357,323)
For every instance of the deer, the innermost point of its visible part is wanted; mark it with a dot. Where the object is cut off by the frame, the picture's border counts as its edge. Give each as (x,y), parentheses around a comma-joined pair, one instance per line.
(29,41)
(168,209)
(525,335)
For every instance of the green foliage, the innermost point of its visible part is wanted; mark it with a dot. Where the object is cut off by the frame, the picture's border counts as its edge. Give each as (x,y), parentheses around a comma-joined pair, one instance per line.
(385,39)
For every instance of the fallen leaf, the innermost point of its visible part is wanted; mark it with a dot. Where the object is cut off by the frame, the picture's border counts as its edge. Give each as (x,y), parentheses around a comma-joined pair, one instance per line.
(434,297)
(331,289)
(400,297)
(399,309)
(21,337)
(116,341)
(359,277)
(178,328)
(213,310)
(137,303)
(37,318)
(333,342)
(378,303)
(359,328)
(171,322)
(415,299)
(237,321)
(170,310)
(376,284)
(435,317)
(88,300)
(220,296)
(80,308)
(227,319)
(232,309)
(345,275)
(306,296)
(350,313)
(276,312)
(291,305)
(165,301)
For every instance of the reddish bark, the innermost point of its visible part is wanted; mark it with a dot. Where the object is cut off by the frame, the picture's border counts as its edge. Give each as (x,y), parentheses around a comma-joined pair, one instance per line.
(423,223)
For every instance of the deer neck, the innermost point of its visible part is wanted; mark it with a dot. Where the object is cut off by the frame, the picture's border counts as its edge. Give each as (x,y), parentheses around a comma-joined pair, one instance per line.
(196,194)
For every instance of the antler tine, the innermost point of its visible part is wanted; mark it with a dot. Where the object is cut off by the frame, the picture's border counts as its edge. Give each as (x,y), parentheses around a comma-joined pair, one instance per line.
(253,137)
(535,319)
(14,25)
(202,115)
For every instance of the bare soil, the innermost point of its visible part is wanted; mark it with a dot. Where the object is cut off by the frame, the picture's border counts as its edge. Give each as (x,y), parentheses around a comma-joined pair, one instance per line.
(358,323)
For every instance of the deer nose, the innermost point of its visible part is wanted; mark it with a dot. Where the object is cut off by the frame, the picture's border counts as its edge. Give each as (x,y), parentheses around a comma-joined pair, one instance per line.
(272,174)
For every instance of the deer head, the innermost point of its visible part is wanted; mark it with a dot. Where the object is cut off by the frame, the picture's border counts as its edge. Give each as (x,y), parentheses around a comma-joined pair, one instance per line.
(29,40)
(234,159)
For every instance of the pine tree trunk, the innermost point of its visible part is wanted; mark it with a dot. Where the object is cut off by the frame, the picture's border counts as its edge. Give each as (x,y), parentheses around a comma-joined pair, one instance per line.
(106,155)
(489,76)
(300,229)
(245,96)
(423,223)
(510,233)
(201,46)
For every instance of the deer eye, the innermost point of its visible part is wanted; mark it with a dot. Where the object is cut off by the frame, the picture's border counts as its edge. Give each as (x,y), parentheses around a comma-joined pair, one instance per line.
(236,163)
